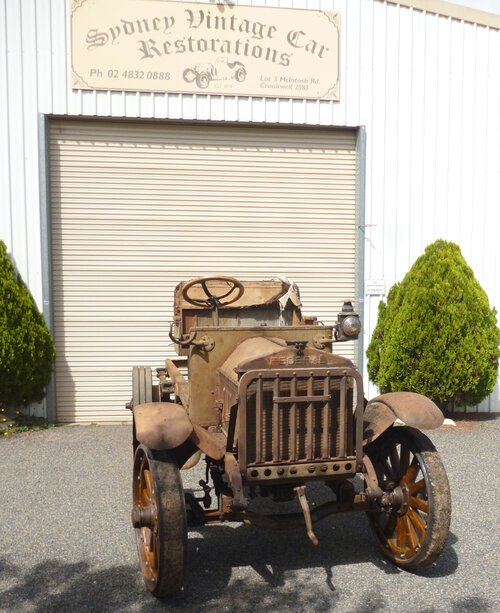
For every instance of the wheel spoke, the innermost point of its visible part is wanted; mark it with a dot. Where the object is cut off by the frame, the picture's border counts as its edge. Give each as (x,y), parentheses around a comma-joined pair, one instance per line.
(150,551)
(152,541)
(142,468)
(388,470)
(404,459)
(391,524)
(416,520)
(412,472)
(410,532)
(418,503)
(393,454)
(400,532)
(146,498)
(416,487)
(149,482)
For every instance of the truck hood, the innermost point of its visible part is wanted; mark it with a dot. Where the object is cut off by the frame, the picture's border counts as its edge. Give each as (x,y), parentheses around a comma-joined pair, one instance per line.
(265,353)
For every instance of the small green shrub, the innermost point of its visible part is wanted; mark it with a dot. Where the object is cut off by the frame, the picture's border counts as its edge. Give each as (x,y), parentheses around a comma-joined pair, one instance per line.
(27,352)
(437,334)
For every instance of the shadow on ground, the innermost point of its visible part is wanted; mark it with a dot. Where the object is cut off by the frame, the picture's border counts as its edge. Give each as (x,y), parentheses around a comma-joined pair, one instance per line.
(476,420)
(214,580)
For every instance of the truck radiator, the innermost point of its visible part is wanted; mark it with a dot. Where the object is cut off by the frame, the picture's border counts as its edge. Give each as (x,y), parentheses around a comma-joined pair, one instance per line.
(296,416)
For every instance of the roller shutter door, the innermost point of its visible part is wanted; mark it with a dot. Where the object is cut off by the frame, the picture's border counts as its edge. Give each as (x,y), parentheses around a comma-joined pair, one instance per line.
(138,207)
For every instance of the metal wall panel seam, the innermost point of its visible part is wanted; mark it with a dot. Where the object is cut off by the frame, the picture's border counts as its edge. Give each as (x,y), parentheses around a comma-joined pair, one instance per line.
(475,121)
(447,168)
(16,141)
(339,108)
(7,231)
(422,134)
(360,241)
(436,131)
(58,59)
(43,15)
(353,32)
(46,256)
(30,146)
(393,275)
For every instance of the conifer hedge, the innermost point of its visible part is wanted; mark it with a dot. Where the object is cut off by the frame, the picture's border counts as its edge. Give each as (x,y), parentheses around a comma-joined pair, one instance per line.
(437,334)
(27,351)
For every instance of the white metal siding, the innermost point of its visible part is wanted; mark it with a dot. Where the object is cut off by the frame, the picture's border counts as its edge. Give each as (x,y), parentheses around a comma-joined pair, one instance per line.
(426,87)
(137,208)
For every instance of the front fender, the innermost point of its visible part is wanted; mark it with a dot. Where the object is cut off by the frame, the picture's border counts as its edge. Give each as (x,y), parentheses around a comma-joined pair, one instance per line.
(413,409)
(166,426)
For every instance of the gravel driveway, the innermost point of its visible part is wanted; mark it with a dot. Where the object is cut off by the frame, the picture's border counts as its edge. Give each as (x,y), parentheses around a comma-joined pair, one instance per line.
(66,543)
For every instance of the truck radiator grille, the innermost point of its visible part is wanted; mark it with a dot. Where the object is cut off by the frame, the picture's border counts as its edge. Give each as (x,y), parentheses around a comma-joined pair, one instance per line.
(298,416)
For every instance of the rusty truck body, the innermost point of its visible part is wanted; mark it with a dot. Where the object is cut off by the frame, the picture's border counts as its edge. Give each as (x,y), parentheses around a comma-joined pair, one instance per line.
(258,394)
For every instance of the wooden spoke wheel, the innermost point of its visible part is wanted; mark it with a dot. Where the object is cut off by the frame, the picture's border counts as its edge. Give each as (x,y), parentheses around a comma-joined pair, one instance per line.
(412,527)
(159,519)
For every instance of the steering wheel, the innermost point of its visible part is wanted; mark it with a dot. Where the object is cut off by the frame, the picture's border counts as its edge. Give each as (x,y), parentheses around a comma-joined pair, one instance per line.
(213,301)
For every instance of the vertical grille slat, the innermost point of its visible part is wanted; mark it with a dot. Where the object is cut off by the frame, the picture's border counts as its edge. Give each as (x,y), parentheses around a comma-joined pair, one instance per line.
(276,421)
(325,434)
(310,420)
(258,421)
(299,416)
(292,441)
(342,416)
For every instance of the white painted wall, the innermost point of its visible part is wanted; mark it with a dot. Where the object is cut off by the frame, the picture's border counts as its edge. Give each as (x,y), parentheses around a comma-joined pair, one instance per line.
(426,87)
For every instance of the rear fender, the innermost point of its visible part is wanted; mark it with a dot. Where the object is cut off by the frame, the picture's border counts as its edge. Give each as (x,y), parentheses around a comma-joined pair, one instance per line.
(413,409)
(165,426)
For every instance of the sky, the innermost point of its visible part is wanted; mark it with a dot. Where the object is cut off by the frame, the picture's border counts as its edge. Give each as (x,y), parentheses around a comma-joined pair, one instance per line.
(491,6)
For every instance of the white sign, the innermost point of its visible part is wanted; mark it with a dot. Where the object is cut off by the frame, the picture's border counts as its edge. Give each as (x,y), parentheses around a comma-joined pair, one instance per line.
(222,49)
(375,287)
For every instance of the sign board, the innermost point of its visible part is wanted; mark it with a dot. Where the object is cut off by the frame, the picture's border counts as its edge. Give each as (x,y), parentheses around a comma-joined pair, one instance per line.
(195,48)
(375,287)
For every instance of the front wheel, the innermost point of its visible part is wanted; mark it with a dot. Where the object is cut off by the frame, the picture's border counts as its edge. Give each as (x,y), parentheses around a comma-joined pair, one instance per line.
(189,75)
(413,527)
(159,519)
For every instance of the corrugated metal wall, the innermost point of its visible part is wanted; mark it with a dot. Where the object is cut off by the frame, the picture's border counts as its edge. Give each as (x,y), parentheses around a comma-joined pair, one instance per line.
(426,87)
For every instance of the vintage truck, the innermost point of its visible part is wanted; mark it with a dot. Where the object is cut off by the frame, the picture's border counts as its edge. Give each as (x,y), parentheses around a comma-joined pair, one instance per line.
(271,409)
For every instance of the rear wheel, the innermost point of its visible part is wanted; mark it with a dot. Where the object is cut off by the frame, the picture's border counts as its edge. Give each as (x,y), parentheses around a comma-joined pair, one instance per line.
(159,519)
(413,527)
(240,74)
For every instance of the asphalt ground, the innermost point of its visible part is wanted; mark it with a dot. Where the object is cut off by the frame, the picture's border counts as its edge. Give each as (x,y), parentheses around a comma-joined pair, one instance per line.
(66,542)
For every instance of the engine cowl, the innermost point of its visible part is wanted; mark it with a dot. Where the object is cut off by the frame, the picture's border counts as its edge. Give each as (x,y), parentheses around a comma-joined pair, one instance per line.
(264,353)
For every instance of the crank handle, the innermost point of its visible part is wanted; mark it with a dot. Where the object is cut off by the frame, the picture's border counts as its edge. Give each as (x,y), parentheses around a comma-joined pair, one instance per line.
(206,342)
(183,341)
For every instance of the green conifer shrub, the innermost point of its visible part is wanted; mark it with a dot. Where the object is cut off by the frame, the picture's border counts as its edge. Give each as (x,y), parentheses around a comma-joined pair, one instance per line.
(437,334)
(27,351)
